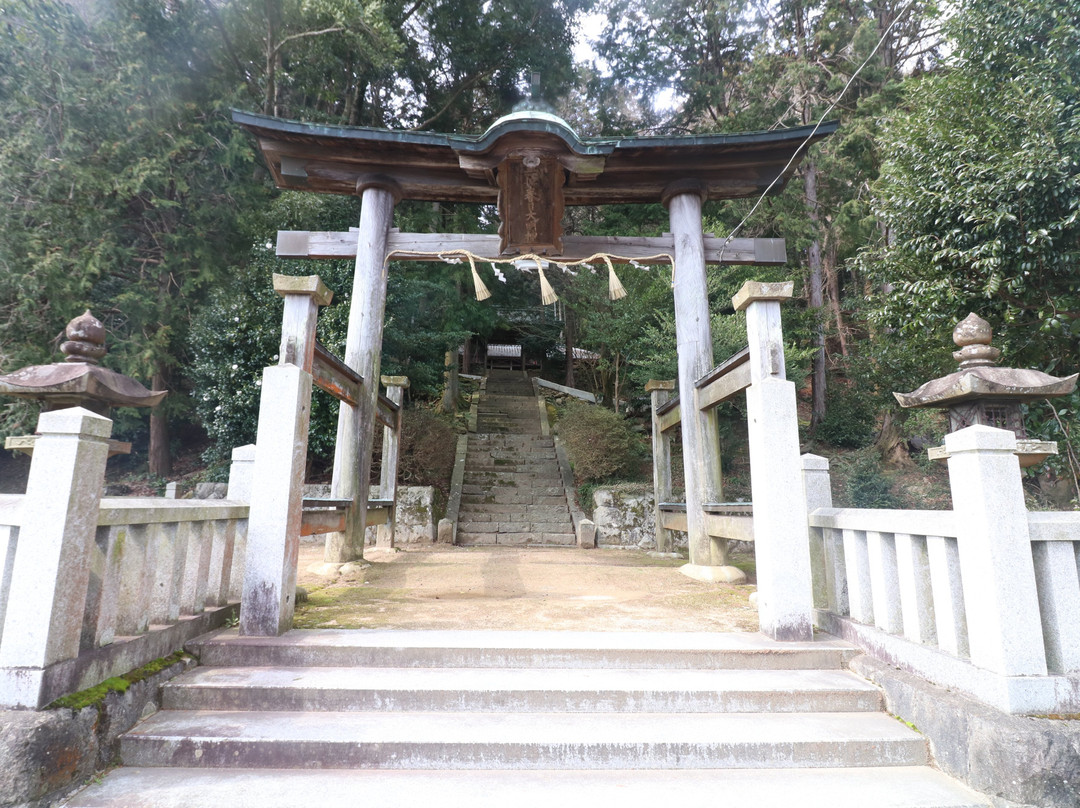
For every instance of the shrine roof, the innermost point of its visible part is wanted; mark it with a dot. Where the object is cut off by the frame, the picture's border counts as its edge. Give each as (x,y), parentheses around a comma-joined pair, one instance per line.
(462,168)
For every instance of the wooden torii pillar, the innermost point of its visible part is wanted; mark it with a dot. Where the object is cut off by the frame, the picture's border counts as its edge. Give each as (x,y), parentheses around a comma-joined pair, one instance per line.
(363,351)
(693,334)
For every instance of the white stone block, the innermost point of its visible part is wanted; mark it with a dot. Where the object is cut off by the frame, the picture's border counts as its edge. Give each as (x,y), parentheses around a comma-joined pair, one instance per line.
(243,464)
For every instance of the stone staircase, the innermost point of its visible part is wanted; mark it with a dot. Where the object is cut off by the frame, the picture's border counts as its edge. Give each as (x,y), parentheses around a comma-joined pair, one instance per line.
(477,719)
(512,493)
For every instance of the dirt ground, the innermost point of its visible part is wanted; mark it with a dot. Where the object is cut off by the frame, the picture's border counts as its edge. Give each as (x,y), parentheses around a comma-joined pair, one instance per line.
(517,588)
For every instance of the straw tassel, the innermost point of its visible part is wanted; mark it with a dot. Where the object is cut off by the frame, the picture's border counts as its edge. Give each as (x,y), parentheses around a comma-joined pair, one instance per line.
(482,292)
(547,294)
(615,289)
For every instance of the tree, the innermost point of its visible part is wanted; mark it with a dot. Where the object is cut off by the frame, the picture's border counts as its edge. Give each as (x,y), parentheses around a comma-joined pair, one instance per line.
(120,184)
(980,189)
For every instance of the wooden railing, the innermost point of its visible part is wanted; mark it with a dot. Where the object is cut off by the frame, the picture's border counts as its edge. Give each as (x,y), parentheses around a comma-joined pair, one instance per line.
(722,520)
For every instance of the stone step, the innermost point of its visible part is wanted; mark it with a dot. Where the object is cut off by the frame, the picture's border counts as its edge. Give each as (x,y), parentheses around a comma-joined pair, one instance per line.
(519,649)
(519,689)
(523,536)
(509,496)
(516,526)
(437,740)
(484,513)
(879,787)
(532,487)
(518,478)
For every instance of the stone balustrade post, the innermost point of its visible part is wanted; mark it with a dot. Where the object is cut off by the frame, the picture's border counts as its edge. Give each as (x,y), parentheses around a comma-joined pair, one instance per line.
(277,479)
(1000,596)
(781,532)
(817,484)
(243,464)
(395,391)
(661,453)
(50,576)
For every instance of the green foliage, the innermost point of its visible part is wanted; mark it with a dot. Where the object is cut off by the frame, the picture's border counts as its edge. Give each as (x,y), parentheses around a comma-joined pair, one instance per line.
(850,420)
(980,188)
(602,444)
(121,180)
(862,483)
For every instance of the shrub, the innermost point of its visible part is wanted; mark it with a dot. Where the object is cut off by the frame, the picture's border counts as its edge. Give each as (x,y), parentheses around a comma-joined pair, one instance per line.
(601,444)
(863,484)
(427,450)
(850,421)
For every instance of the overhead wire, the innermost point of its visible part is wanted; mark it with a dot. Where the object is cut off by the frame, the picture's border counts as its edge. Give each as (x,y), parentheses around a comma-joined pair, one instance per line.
(817,126)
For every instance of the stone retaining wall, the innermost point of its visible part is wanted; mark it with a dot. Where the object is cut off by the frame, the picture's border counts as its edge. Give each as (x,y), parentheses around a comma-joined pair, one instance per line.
(624,518)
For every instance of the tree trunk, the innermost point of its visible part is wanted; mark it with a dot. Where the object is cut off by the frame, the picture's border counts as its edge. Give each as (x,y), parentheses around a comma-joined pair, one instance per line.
(817,378)
(568,336)
(832,283)
(160,460)
(450,394)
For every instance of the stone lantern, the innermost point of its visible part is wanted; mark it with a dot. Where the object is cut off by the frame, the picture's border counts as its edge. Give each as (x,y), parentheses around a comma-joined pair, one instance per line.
(78,381)
(982,393)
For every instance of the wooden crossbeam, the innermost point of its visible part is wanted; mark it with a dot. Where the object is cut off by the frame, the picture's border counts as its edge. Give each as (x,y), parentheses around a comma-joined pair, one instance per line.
(669,416)
(335,377)
(420,246)
(386,412)
(328,515)
(725,381)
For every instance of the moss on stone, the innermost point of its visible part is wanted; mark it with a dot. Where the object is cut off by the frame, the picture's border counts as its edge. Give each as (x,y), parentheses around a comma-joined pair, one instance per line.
(95,696)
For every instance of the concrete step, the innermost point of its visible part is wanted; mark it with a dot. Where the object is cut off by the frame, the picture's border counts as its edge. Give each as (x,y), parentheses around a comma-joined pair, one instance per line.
(519,649)
(437,740)
(879,787)
(519,689)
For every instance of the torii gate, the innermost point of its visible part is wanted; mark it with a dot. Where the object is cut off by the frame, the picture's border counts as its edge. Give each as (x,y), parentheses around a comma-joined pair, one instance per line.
(531,164)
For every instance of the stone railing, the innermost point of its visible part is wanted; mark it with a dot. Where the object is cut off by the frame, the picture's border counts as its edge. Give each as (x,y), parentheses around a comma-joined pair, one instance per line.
(983,599)
(93,587)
